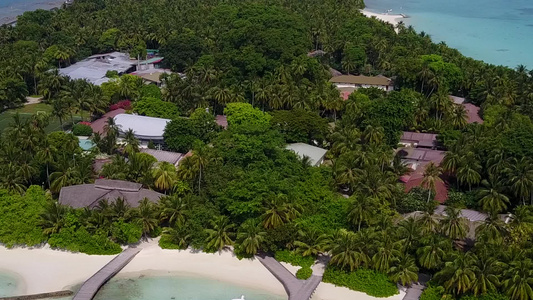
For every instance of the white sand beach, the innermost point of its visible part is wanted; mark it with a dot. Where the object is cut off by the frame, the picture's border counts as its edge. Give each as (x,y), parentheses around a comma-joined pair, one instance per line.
(46,270)
(393,19)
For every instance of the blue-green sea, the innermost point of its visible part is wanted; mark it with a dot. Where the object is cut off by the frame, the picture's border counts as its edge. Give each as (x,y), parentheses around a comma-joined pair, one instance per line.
(162,288)
(496,31)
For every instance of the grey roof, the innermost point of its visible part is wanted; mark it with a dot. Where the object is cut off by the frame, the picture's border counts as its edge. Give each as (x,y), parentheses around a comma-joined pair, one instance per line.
(160,155)
(422,139)
(145,128)
(95,67)
(314,153)
(88,195)
(471,215)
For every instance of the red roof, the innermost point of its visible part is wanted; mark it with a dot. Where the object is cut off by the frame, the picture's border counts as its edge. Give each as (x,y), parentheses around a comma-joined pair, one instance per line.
(345,94)
(473,113)
(98,125)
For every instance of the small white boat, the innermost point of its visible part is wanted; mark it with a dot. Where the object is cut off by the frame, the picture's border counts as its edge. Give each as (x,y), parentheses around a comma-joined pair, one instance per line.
(241,298)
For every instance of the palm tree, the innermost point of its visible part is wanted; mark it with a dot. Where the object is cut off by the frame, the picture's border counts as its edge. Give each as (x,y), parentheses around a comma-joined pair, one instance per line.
(458,274)
(386,253)
(250,237)
(492,231)
(131,142)
(431,254)
(453,225)
(431,177)
(220,234)
(278,211)
(52,217)
(174,209)
(360,211)
(310,243)
(490,198)
(165,176)
(468,171)
(518,283)
(177,236)
(405,271)
(486,275)
(347,251)
(521,178)
(409,232)
(147,216)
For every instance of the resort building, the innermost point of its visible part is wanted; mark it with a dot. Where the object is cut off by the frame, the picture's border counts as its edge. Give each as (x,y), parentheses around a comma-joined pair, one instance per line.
(99,124)
(315,154)
(88,195)
(472,111)
(146,129)
(151,76)
(349,83)
(95,67)
(165,156)
(417,152)
(418,139)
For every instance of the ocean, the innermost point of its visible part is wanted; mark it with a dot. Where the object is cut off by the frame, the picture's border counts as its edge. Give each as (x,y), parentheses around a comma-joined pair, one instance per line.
(8,285)
(496,31)
(10,9)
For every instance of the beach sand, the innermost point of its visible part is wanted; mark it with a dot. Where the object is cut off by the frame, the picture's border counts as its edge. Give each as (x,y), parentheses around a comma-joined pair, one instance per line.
(46,270)
(391,19)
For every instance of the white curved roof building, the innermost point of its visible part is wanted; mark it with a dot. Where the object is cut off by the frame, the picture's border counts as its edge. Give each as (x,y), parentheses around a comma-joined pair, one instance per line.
(145,128)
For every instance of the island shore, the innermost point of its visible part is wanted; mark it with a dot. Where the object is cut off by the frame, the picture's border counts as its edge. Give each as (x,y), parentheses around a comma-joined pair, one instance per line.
(393,19)
(45,270)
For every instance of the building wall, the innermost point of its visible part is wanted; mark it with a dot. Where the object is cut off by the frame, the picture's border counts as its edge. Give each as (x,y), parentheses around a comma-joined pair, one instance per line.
(357,86)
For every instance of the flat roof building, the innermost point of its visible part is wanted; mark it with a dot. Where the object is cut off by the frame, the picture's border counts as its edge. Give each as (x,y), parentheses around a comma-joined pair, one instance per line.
(315,154)
(144,128)
(95,67)
(88,195)
(361,81)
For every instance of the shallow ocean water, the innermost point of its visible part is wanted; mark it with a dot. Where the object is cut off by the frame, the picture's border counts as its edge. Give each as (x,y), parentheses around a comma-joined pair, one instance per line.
(496,31)
(8,285)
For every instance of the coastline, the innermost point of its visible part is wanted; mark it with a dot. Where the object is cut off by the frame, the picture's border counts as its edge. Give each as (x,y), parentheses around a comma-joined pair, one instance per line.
(45,270)
(19,9)
(392,19)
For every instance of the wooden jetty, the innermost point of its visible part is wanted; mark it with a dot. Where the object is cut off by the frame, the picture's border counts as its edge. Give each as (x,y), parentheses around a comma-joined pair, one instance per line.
(297,289)
(90,287)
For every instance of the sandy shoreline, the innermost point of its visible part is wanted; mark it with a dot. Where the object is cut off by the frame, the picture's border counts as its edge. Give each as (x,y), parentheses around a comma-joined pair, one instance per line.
(393,19)
(45,270)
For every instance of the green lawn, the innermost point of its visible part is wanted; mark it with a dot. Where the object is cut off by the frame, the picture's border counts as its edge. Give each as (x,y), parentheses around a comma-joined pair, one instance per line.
(27,111)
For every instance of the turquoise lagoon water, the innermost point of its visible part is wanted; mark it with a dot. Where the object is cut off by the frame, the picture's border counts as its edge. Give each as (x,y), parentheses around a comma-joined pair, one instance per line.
(161,288)
(8,285)
(496,31)
(177,288)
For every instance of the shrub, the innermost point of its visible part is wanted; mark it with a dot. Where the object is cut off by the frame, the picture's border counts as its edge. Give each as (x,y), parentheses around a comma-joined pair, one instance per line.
(367,281)
(294,259)
(124,104)
(20,217)
(80,240)
(432,293)
(415,200)
(111,74)
(304,273)
(82,130)
(154,107)
(150,90)
(461,200)
(126,233)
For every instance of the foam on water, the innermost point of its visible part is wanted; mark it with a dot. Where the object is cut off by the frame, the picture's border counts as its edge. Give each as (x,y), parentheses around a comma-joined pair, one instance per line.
(496,31)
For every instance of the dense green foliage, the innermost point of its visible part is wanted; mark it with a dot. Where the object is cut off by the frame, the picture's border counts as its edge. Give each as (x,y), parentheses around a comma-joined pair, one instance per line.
(20,217)
(304,273)
(240,187)
(82,130)
(294,259)
(153,107)
(367,281)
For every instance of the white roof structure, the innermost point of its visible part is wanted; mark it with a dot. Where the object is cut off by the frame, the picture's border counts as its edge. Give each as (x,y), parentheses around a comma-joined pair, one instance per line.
(145,128)
(94,68)
(315,154)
